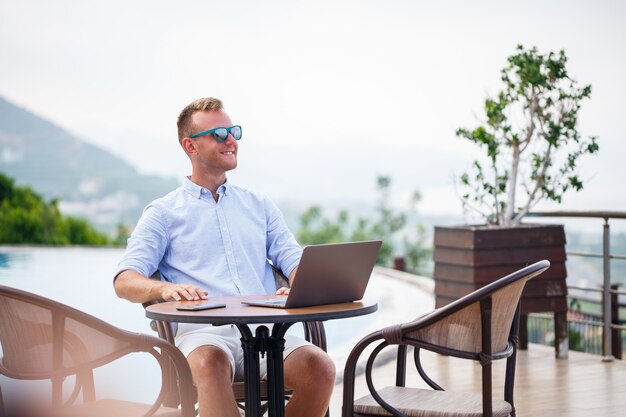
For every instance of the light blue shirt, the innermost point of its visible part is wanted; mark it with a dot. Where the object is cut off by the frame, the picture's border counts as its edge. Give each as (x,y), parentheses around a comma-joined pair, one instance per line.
(221,247)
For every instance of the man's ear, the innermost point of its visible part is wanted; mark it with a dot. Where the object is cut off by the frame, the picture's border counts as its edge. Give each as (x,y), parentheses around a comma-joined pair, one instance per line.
(188,145)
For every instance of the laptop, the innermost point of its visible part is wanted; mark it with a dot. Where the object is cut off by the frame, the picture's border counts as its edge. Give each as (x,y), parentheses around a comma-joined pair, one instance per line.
(328,274)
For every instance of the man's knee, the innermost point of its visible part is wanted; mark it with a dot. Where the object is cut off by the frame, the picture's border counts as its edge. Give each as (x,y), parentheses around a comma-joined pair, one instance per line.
(309,365)
(209,363)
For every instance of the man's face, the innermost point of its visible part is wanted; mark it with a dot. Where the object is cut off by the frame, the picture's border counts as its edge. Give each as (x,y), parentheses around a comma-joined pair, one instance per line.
(210,154)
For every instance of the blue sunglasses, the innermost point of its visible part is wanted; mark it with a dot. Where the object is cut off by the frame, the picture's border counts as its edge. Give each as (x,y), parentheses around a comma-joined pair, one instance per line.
(220,134)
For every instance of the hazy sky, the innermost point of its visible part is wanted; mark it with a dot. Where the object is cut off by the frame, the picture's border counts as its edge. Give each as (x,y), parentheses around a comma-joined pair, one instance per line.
(330,94)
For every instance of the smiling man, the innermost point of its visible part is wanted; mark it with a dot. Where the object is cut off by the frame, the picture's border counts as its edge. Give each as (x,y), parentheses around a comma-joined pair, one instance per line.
(212,238)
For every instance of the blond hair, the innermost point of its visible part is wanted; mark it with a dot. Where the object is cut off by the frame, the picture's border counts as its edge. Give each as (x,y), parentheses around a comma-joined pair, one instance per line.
(185,124)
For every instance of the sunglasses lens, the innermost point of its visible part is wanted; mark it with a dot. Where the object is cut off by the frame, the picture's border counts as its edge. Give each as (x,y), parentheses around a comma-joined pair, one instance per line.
(220,134)
(236,132)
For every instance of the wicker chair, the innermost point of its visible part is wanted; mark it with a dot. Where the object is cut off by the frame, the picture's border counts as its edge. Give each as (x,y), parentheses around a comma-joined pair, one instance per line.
(313,332)
(481,326)
(44,339)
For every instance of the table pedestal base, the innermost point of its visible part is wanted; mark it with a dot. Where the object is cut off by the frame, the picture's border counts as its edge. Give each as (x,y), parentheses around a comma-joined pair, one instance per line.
(273,345)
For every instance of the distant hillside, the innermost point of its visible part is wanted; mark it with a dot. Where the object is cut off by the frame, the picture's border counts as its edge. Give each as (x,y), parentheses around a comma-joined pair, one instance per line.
(89,181)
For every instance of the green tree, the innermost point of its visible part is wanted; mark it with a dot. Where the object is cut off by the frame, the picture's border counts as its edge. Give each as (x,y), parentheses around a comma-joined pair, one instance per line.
(385,226)
(531,139)
(416,251)
(26,218)
(80,232)
(122,234)
(315,228)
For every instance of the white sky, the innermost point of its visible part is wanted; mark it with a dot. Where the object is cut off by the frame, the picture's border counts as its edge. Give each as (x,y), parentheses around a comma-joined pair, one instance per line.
(330,93)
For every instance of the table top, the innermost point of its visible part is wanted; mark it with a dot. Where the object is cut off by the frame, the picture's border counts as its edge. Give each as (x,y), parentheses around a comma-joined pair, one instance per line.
(237,313)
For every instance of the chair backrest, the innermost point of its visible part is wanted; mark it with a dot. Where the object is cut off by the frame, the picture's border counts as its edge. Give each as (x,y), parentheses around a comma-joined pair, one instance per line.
(460,324)
(45,339)
(42,338)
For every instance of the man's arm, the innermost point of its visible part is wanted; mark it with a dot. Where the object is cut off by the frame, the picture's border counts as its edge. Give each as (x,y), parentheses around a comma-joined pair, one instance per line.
(285,290)
(135,287)
(292,276)
(282,248)
(145,249)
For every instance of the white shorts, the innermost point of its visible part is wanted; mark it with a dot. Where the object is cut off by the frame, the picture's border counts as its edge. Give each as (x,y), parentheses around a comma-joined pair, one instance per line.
(191,336)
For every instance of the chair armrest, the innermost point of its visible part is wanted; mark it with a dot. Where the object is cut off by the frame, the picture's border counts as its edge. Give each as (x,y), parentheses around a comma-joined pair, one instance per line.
(177,362)
(350,371)
(172,362)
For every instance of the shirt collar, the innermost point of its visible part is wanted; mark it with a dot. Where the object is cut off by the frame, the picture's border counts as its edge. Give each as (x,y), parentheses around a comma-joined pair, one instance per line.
(224,189)
(198,191)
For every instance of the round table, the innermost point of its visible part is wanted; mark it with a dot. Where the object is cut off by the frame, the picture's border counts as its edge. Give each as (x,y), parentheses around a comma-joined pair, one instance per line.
(263,341)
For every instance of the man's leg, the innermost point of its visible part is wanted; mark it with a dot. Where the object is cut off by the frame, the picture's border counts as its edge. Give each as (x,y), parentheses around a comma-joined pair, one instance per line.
(310,373)
(212,375)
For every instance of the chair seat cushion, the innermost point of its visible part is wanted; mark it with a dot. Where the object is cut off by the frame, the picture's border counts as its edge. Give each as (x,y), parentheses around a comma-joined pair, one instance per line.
(115,408)
(416,402)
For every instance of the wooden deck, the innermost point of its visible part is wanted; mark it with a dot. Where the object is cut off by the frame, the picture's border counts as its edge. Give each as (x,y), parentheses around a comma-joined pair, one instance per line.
(580,386)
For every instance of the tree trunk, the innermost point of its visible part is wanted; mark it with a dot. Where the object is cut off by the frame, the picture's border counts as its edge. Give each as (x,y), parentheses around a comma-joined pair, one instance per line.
(510,199)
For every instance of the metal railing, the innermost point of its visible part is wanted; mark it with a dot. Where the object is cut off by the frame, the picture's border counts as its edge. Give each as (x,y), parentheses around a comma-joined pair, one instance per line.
(607,292)
(585,328)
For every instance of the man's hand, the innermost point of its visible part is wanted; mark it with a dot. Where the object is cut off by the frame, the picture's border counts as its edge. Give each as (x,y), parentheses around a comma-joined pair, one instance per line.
(183,292)
(137,288)
(282,291)
(285,290)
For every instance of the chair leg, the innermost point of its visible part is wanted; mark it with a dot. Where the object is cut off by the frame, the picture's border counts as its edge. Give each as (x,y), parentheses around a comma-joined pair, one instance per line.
(2,410)
(89,388)
(523,332)
(561,339)
(401,366)
(509,380)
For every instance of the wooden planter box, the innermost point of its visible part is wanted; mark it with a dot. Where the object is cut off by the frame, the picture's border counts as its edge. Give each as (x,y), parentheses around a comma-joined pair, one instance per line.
(468,257)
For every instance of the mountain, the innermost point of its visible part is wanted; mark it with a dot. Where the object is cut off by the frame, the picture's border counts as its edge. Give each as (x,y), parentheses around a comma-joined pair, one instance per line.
(89,182)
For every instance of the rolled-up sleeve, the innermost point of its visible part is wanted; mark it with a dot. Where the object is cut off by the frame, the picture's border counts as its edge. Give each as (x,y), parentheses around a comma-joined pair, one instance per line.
(146,245)
(282,248)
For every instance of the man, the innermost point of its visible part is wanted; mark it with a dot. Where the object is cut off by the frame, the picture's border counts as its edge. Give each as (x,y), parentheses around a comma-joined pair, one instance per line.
(209,237)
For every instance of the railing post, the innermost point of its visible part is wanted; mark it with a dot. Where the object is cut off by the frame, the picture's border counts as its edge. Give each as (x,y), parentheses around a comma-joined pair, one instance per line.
(616,334)
(606,291)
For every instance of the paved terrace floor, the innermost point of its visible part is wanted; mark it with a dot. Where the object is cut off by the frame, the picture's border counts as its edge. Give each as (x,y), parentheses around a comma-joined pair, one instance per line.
(580,386)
